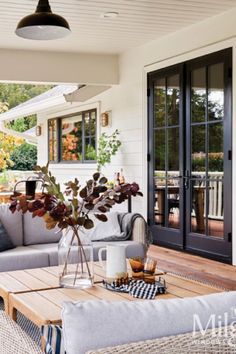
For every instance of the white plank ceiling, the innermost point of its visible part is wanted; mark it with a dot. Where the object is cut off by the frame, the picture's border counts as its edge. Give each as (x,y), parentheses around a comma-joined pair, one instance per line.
(139,21)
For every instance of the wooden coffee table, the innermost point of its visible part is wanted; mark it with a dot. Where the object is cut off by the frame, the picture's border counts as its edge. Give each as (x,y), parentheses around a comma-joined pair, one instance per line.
(43,307)
(24,281)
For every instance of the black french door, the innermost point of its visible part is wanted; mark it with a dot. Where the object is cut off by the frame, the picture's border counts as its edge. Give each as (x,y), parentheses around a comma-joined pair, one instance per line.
(190,184)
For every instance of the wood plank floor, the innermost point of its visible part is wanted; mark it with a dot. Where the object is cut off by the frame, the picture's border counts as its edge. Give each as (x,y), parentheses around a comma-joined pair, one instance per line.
(195,267)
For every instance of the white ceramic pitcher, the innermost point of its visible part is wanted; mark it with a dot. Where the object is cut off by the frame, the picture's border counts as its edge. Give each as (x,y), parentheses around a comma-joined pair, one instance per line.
(115,261)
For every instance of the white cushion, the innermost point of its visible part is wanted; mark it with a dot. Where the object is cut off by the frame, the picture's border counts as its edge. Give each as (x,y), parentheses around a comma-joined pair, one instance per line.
(99,324)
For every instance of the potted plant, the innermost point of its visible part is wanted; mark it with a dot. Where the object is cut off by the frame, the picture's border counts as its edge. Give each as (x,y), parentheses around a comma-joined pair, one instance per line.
(108,145)
(71,211)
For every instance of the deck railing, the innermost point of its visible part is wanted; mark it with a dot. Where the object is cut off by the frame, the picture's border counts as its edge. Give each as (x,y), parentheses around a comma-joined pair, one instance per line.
(216,193)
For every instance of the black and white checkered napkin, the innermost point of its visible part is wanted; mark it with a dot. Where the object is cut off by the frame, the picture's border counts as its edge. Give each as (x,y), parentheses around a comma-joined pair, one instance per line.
(140,289)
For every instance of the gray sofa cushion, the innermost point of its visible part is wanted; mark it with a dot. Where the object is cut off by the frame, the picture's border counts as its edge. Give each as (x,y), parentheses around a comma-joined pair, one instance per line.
(35,231)
(134,249)
(22,258)
(12,224)
(99,324)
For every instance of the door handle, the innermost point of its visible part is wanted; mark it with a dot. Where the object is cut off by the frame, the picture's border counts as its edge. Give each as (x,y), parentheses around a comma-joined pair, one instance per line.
(186,179)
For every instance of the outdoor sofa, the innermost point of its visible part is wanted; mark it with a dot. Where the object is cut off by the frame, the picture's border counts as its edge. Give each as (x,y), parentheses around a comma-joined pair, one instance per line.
(37,247)
(164,326)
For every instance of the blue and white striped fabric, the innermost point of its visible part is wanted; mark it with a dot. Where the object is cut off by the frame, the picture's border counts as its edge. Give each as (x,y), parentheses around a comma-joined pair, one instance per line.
(53,339)
(140,289)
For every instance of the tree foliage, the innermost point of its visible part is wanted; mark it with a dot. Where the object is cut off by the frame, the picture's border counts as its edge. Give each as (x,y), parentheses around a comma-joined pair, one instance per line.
(24,157)
(12,95)
(8,144)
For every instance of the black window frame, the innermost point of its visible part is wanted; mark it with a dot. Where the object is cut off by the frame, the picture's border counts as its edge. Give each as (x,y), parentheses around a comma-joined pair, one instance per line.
(59,159)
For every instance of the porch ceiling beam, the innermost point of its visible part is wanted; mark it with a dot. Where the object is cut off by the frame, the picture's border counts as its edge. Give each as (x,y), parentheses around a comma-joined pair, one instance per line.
(58,67)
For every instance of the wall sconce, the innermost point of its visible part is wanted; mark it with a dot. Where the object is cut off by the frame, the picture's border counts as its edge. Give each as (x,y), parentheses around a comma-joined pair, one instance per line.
(38,130)
(105,119)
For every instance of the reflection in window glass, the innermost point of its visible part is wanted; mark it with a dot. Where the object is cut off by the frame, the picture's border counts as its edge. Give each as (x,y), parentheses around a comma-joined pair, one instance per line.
(72,138)
(159,102)
(216,147)
(198,95)
(52,135)
(160,150)
(172,100)
(216,208)
(173,149)
(198,217)
(198,148)
(77,138)
(216,92)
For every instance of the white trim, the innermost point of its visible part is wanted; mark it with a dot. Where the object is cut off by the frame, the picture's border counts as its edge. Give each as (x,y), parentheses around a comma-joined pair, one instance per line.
(33,108)
(211,48)
(73,166)
(68,109)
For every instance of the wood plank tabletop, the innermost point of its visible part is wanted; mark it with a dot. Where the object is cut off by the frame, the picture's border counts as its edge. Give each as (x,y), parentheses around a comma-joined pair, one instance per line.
(28,280)
(44,306)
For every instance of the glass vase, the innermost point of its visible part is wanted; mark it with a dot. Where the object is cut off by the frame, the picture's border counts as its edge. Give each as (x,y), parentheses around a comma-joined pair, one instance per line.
(75,262)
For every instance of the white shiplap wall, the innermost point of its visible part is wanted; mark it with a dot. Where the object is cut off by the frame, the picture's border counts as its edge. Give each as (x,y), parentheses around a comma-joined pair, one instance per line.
(128,100)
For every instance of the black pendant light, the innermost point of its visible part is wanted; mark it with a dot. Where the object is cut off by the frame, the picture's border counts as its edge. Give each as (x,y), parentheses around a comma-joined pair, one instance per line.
(43,24)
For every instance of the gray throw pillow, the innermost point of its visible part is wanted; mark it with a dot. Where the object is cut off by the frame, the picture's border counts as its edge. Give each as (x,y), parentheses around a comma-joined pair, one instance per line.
(5,241)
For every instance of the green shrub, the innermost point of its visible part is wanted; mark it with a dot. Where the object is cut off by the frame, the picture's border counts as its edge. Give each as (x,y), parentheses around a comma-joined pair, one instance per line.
(24,157)
(215,162)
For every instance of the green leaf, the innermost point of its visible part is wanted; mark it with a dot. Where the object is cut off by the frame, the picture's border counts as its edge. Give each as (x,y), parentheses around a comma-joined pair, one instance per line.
(44,170)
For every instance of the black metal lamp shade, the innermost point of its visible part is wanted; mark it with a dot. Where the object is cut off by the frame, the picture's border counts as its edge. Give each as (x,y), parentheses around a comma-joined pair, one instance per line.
(43,24)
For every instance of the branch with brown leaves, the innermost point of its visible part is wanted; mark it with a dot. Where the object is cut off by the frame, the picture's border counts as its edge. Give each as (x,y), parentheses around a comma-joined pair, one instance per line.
(73,207)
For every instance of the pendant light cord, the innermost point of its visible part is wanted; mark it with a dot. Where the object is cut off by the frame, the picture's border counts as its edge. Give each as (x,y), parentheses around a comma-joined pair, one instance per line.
(43,6)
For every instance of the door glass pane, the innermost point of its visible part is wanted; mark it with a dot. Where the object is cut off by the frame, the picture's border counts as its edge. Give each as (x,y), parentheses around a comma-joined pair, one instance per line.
(216,148)
(198,149)
(173,149)
(159,150)
(159,102)
(198,205)
(172,100)
(173,198)
(198,95)
(216,208)
(160,196)
(216,92)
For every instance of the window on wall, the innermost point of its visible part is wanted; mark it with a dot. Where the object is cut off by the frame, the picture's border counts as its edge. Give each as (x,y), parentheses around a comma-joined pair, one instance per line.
(73,138)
